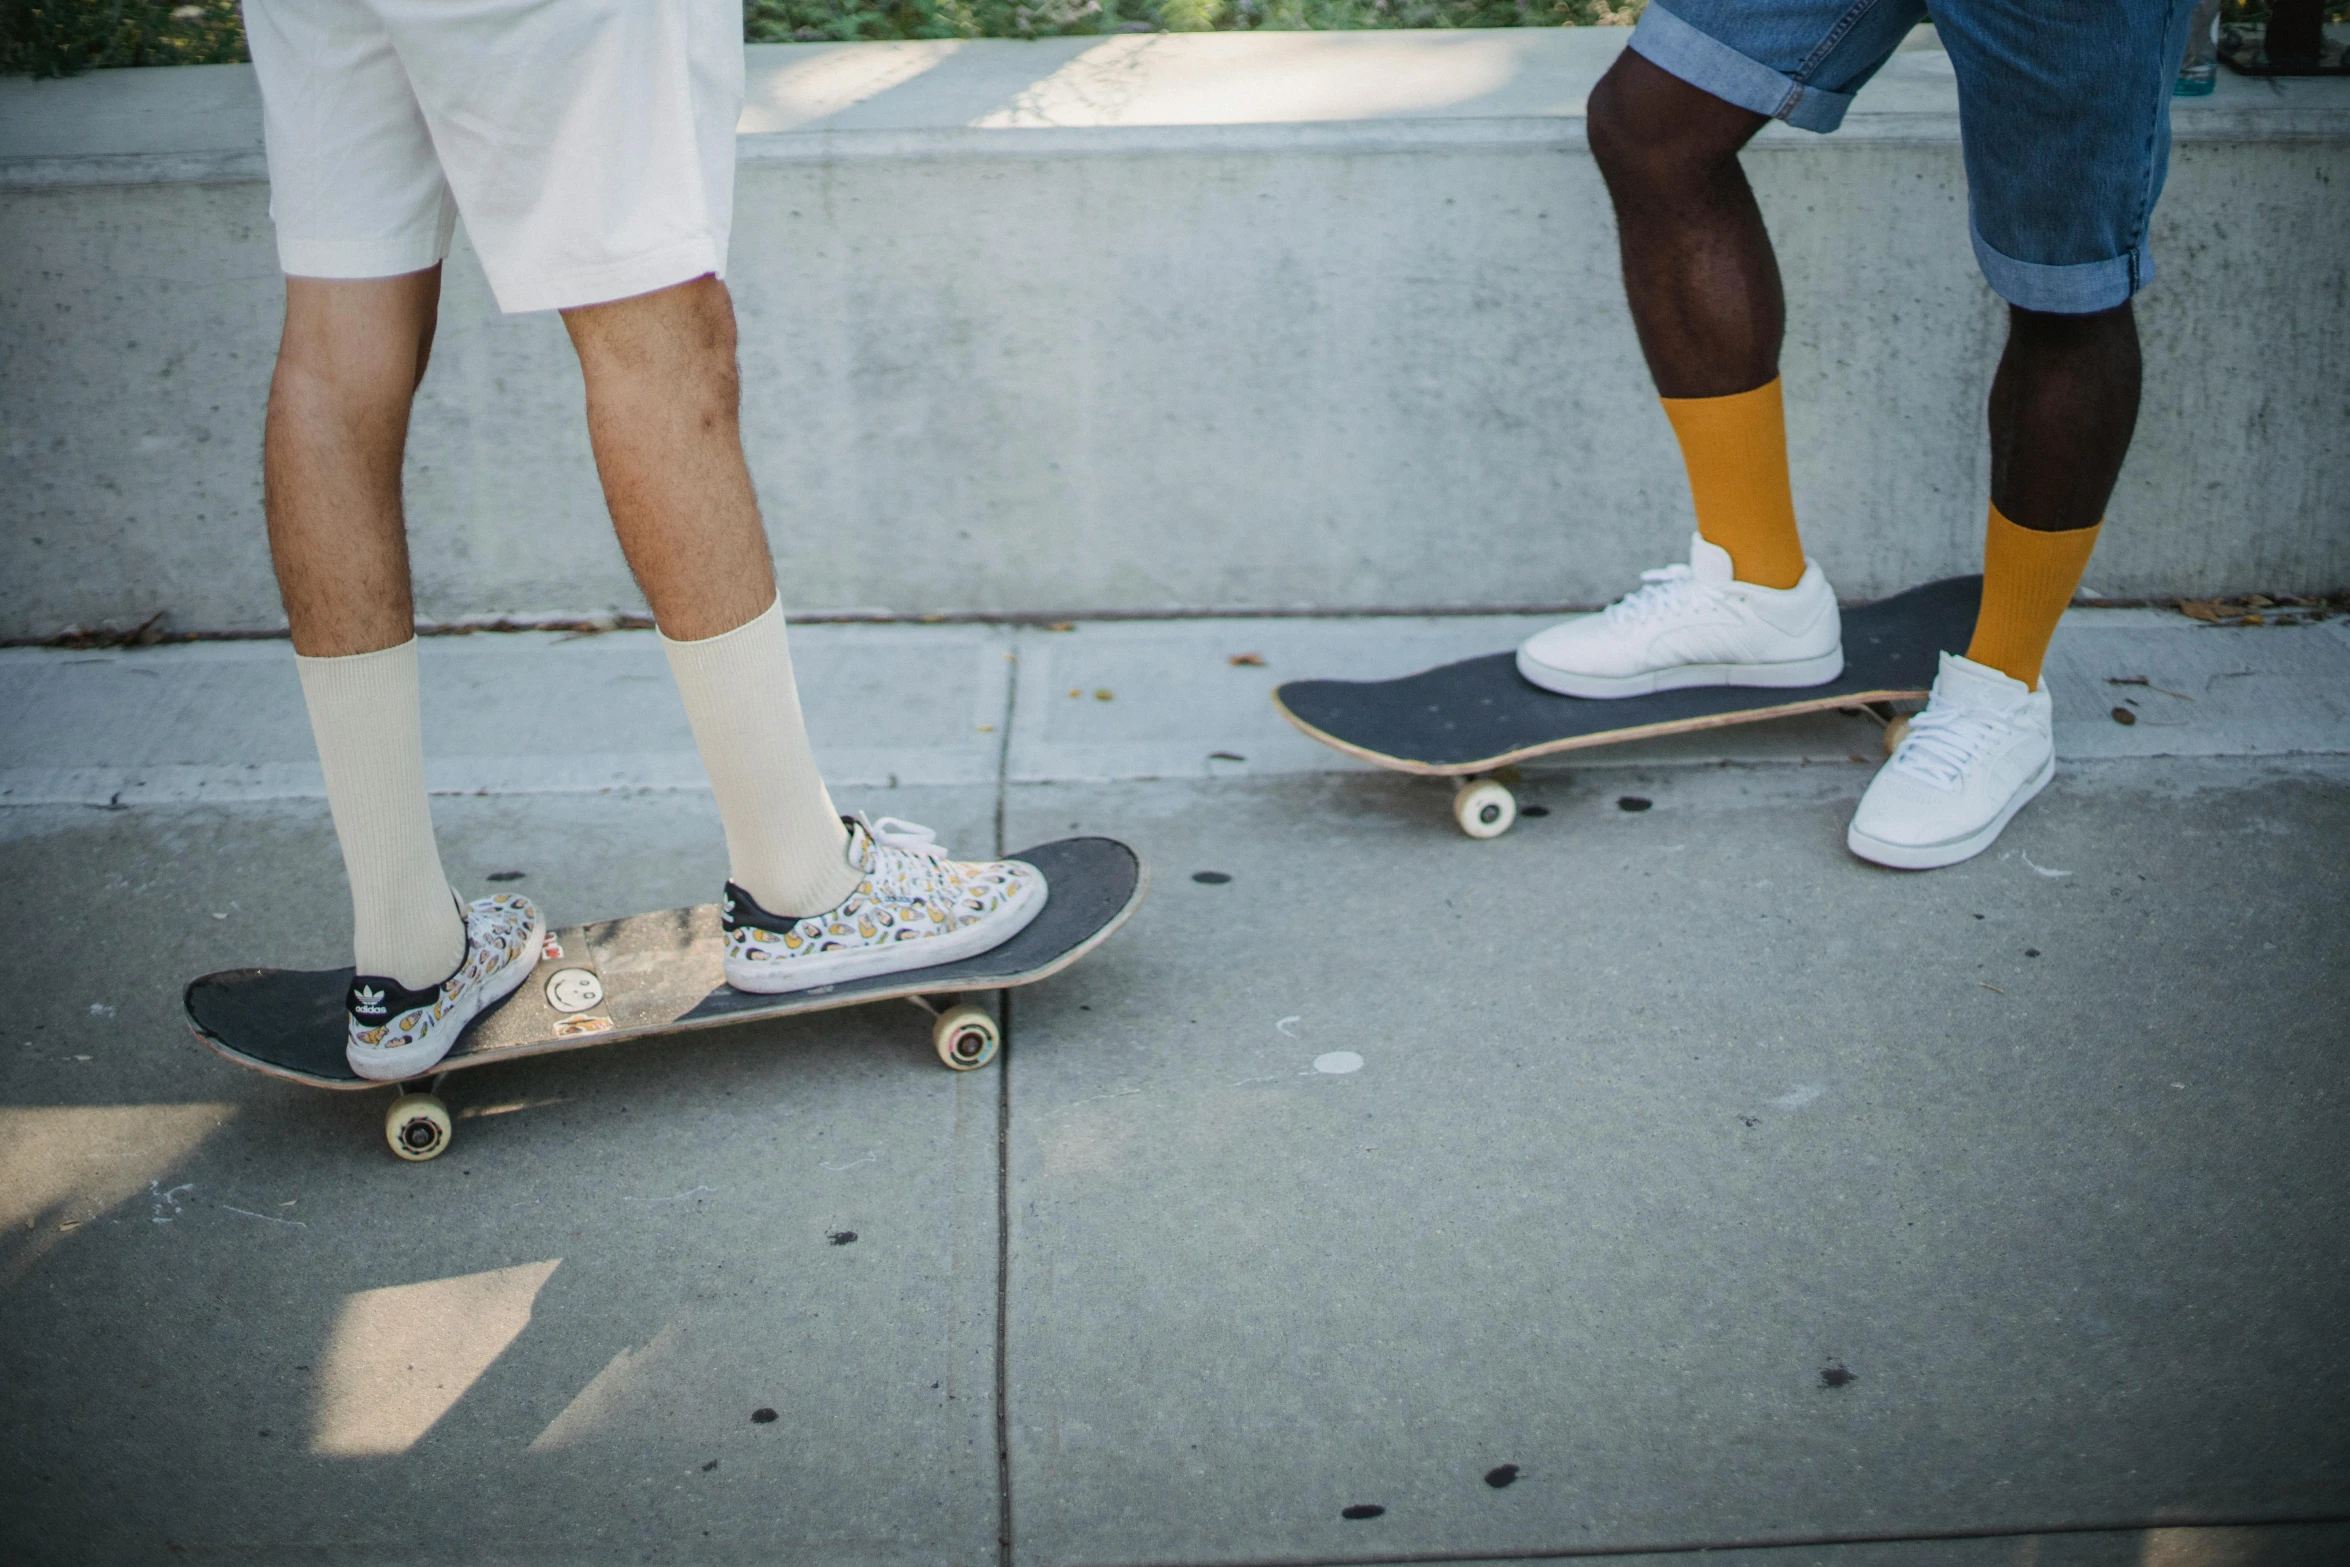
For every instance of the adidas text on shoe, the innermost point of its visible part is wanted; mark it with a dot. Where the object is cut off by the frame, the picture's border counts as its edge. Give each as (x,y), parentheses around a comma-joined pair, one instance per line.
(912,908)
(1977,755)
(1693,625)
(398,1033)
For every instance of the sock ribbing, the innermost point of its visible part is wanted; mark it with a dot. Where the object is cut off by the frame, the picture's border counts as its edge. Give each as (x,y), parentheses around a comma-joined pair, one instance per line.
(367,717)
(2028,578)
(785,845)
(1735,449)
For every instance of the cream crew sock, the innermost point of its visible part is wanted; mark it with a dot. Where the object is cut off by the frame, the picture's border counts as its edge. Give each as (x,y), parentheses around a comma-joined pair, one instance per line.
(368,720)
(785,845)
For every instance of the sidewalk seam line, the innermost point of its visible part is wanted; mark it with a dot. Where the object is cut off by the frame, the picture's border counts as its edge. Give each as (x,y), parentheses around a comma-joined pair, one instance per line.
(1003,1156)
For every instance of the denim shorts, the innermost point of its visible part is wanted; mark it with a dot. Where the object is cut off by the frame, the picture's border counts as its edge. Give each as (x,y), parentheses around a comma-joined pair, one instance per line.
(2063,109)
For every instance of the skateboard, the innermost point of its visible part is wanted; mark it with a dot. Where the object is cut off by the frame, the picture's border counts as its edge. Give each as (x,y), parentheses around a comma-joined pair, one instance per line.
(654,975)
(1472,719)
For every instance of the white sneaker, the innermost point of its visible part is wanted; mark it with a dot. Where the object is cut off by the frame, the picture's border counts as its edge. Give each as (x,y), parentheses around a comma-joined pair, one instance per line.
(1694,625)
(915,907)
(1980,750)
(400,1033)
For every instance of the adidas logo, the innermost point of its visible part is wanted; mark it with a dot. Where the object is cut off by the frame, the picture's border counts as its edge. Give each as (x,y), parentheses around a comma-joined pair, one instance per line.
(368,1001)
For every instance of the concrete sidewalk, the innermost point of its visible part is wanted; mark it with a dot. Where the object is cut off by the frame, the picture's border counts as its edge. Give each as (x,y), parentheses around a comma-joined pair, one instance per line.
(1637,1182)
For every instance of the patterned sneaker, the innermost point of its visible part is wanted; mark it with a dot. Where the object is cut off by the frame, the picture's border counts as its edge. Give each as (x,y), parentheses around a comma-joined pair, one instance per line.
(1694,625)
(1971,760)
(398,1033)
(914,908)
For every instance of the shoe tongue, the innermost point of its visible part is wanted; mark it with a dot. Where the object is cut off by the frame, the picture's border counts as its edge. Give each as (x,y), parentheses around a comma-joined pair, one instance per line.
(1965,683)
(1709,562)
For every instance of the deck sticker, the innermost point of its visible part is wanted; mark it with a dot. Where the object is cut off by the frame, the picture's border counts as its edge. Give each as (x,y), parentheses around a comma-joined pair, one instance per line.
(574,989)
(573,1027)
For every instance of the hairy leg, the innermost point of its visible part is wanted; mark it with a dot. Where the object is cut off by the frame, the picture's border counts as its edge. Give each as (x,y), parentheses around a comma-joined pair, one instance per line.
(1698,267)
(2063,407)
(662,395)
(348,367)
(662,405)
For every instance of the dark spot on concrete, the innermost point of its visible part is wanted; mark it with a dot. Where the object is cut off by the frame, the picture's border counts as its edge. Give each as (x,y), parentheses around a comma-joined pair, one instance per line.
(2124,717)
(1226,756)
(762,1417)
(2031,952)
(1751,1120)
(1362,1510)
(841,1237)
(1502,1476)
(1833,1374)
(504,876)
(1210,878)
(1534,810)
(712,1464)
(1978,916)
(265,1433)
(1632,802)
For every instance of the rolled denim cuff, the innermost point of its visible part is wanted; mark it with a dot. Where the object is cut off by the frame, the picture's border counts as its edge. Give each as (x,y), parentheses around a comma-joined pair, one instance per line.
(2080,289)
(1708,64)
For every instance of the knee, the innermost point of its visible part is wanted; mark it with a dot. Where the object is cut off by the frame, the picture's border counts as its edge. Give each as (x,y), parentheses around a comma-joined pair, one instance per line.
(1650,129)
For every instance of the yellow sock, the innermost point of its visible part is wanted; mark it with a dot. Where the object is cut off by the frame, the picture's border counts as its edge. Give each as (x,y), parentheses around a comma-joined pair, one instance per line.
(1736,450)
(2028,579)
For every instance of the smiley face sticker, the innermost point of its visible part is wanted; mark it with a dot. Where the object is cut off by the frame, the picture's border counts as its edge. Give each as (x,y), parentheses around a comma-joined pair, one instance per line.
(574,989)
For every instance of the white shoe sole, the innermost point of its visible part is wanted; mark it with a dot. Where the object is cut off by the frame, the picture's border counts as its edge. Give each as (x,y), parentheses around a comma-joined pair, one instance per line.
(1933,856)
(1795,672)
(783,976)
(402,1062)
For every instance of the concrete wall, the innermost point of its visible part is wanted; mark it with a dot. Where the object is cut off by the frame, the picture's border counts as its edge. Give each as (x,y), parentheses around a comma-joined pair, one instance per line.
(1146,324)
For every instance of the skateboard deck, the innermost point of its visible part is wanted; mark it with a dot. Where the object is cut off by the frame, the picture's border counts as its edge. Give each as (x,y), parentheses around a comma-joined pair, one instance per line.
(659,974)
(1481,714)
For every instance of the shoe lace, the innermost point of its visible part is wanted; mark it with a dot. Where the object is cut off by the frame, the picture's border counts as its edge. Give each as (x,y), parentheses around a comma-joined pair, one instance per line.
(1942,744)
(927,872)
(1669,590)
(912,837)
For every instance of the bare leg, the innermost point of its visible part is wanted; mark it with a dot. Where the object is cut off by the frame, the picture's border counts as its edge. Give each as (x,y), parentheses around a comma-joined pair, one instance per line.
(662,404)
(347,371)
(2063,407)
(348,367)
(662,395)
(1698,268)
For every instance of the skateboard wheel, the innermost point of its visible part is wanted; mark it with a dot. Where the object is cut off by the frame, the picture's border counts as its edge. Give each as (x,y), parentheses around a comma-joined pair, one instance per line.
(1896,730)
(967,1037)
(1484,808)
(418,1127)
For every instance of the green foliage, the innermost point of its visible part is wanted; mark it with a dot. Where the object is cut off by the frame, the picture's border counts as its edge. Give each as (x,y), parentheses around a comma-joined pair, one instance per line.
(810,21)
(62,37)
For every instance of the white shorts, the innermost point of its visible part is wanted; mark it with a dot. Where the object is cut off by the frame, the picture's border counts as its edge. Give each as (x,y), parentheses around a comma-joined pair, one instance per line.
(588,143)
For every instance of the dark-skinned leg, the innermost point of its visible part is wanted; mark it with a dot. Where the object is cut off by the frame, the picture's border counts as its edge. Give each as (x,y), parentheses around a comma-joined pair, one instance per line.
(2063,407)
(1704,290)
(1699,272)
